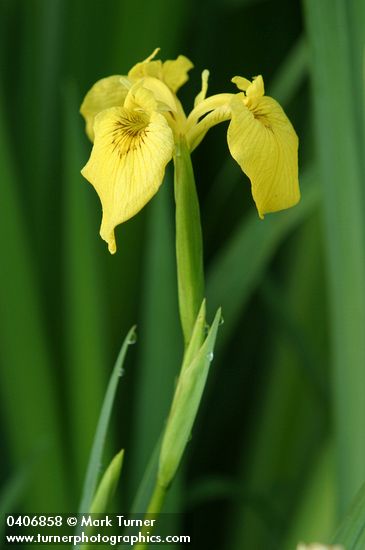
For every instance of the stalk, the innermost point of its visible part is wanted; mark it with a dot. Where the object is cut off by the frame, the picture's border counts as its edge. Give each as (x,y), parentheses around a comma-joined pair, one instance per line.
(190,275)
(189,245)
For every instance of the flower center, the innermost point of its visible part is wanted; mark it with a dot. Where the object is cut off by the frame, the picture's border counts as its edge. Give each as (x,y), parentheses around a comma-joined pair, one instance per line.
(258,110)
(129,131)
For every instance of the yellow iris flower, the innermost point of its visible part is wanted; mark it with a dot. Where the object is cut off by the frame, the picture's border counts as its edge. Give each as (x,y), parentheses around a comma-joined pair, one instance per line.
(136,122)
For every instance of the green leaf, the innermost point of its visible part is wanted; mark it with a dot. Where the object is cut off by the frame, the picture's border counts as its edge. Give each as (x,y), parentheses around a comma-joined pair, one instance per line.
(186,402)
(107,485)
(340,153)
(105,491)
(102,427)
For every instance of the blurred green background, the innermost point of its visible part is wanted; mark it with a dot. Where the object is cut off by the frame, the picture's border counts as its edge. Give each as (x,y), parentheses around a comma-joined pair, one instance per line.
(278,450)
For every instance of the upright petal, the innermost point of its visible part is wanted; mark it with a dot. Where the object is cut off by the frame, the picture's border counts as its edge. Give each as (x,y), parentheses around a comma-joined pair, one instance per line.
(265,145)
(107,92)
(203,92)
(175,72)
(127,163)
(147,67)
(165,99)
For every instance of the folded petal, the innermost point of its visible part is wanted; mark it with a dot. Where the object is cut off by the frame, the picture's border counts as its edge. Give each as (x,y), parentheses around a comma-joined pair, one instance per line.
(165,99)
(264,143)
(241,82)
(127,163)
(175,72)
(253,89)
(147,67)
(107,92)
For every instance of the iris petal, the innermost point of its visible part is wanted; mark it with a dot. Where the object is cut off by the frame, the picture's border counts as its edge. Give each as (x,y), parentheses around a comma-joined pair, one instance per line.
(265,145)
(175,72)
(107,92)
(127,163)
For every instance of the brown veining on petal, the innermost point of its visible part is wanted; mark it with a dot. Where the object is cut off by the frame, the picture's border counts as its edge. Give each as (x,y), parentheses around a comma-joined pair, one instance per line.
(129,132)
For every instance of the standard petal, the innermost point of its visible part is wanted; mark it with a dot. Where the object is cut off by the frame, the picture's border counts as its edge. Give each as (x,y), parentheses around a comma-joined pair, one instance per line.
(147,67)
(164,98)
(241,82)
(107,92)
(175,72)
(127,163)
(265,145)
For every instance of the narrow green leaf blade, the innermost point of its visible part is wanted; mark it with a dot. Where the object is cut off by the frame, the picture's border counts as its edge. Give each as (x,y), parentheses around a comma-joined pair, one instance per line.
(107,485)
(102,427)
(105,491)
(337,135)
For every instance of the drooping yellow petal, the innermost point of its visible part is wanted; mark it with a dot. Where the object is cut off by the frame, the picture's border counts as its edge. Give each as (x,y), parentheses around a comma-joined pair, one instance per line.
(175,72)
(127,163)
(107,92)
(265,145)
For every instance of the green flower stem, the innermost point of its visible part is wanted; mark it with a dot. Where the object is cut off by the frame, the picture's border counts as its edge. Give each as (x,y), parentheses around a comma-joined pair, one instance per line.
(189,246)
(190,274)
(157,499)
(154,508)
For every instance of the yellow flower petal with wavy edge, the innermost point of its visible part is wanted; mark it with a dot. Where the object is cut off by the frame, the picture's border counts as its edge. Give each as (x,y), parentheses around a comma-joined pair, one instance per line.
(147,67)
(107,92)
(175,72)
(264,143)
(127,163)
